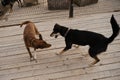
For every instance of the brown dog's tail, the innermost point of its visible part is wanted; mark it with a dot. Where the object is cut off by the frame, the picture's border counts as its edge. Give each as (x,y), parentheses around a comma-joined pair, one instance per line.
(26,22)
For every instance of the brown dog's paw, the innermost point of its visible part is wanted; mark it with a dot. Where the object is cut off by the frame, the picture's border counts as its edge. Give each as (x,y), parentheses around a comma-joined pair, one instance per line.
(33,59)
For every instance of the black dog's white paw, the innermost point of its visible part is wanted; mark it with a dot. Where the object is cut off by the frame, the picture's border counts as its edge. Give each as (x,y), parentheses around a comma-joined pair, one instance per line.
(57,53)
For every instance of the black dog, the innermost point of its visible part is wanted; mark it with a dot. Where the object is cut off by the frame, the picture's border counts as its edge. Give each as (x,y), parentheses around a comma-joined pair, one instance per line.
(18,1)
(11,3)
(6,6)
(98,43)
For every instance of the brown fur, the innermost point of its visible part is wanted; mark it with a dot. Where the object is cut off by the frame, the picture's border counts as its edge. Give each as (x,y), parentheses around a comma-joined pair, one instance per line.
(30,40)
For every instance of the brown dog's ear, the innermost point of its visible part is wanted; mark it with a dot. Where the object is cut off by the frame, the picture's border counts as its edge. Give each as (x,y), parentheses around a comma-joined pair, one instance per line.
(40,37)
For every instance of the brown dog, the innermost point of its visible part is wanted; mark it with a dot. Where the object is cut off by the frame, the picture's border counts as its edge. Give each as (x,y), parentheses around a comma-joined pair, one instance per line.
(30,40)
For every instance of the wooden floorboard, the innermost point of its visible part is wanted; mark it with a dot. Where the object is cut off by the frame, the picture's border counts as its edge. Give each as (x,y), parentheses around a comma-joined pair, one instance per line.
(73,64)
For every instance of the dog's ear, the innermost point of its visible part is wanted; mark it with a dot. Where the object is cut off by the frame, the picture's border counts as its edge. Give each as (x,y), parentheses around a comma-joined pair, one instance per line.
(56,25)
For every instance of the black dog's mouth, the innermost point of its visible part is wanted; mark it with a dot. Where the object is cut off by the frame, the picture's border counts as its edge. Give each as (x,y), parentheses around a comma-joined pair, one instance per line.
(54,34)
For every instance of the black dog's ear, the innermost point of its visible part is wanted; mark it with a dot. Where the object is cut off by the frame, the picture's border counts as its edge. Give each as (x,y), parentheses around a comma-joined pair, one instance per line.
(56,25)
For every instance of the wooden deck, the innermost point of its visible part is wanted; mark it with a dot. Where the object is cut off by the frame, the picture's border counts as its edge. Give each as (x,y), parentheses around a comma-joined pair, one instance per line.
(72,65)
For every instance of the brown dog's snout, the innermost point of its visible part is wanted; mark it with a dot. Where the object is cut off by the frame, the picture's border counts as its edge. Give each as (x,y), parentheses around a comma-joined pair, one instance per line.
(46,45)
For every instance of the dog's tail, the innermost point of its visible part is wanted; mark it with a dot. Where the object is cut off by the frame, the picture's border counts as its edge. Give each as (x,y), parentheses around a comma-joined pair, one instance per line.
(26,22)
(115,29)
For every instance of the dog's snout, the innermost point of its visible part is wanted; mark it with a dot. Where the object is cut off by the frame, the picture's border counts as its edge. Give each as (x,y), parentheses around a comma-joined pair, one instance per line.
(49,45)
(51,35)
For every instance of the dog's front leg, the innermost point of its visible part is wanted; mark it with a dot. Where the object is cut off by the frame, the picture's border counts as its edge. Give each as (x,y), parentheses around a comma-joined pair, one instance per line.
(11,6)
(35,57)
(68,46)
(31,56)
(65,49)
(19,3)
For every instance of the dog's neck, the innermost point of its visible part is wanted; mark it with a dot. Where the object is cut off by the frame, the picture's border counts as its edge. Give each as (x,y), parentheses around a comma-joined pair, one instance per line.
(64,31)
(32,41)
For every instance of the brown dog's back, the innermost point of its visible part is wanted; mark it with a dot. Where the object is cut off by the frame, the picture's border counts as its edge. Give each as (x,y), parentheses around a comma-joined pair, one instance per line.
(30,29)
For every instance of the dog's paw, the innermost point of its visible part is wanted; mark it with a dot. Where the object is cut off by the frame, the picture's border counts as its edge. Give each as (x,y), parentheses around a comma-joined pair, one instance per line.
(76,46)
(57,53)
(33,59)
(90,65)
(85,55)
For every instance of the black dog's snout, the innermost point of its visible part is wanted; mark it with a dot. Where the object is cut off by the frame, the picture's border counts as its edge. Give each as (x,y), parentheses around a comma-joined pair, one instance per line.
(51,35)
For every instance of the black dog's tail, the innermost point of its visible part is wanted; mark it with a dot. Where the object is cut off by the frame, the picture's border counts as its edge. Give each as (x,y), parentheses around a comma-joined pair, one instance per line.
(115,29)
(24,23)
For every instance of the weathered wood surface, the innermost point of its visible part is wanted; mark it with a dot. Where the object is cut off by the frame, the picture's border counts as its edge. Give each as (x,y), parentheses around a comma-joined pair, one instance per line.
(41,13)
(58,4)
(72,65)
(30,2)
(84,2)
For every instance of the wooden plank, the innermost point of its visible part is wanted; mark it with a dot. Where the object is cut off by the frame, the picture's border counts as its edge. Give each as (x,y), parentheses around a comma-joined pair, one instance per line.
(64,60)
(14,57)
(117,77)
(16,20)
(48,27)
(67,75)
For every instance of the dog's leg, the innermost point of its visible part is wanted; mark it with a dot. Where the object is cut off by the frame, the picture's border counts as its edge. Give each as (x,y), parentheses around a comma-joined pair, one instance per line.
(96,61)
(11,6)
(35,57)
(93,51)
(68,46)
(31,56)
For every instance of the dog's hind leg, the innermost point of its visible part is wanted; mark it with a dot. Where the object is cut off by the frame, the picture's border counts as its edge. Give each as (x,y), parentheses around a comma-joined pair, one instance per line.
(96,61)
(93,53)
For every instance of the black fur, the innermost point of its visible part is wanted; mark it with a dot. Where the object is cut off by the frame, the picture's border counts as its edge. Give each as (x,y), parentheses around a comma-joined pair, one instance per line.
(97,42)
(10,2)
